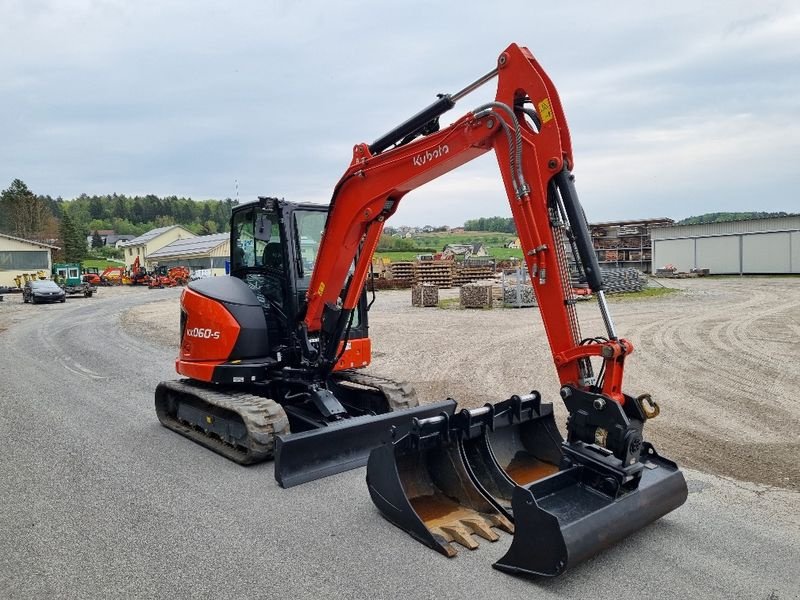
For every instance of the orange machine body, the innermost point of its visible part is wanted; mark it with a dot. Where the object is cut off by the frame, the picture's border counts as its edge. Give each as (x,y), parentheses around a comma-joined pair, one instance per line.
(209,335)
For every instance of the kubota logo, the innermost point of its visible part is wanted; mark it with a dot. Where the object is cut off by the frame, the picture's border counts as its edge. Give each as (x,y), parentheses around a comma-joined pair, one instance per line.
(199,332)
(429,155)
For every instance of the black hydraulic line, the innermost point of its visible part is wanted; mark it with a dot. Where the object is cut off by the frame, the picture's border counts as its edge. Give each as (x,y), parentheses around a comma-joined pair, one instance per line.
(580,229)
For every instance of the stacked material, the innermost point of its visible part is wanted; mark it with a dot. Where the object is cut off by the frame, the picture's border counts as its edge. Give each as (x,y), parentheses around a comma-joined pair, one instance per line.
(401,270)
(616,281)
(470,273)
(476,295)
(518,295)
(435,272)
(424,295)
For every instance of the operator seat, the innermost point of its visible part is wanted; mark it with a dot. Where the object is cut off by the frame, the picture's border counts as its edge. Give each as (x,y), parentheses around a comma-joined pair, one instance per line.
(272,257)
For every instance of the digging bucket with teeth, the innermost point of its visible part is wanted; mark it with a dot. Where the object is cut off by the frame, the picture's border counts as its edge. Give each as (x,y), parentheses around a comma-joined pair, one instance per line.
(420,483)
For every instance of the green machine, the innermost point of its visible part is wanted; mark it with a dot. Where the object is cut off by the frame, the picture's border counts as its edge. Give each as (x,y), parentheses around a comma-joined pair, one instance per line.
(68,276)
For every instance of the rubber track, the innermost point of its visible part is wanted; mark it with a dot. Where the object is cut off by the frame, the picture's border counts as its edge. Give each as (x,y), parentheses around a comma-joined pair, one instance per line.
(399,394)
(263,419)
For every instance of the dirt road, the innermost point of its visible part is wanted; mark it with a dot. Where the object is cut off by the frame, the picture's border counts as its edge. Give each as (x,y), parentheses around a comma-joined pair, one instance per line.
(721,356)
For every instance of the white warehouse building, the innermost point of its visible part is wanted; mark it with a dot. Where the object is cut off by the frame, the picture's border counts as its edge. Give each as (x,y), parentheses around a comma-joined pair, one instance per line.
(754,246)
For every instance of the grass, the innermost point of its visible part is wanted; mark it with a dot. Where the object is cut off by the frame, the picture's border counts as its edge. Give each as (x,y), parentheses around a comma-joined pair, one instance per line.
(399,256)
(439,240)
(504,253)
(449,303)
(101,263)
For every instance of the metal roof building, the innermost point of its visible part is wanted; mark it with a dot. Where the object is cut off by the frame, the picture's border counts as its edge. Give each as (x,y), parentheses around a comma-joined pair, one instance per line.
(197,253)
(19,256)
(770,245)
(143,246)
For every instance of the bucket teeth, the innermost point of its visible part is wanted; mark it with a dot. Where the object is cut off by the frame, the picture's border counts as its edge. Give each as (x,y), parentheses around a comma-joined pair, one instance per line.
(455,532)
(462,530)
(501,522)
(481,528)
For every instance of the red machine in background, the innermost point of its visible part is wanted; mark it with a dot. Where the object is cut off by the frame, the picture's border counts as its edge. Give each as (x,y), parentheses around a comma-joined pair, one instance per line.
(162,277)
(138,274)
(271,349)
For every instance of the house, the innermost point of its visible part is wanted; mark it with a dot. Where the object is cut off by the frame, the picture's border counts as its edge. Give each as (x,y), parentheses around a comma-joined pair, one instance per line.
(19,256)
(198,253)
(149,242)
(118,240)
(103,233)
(514,244)
(479,250)
(465,250)
(109,238)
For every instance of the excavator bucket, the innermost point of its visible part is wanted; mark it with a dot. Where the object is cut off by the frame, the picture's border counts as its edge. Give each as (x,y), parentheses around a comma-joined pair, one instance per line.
(456,475)
(514,442)
(341,446)
(420,483)
(571,516)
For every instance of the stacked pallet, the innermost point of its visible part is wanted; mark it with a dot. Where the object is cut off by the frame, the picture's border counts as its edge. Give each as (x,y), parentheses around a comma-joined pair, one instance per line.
(424,295)
(435,272)
(401,270)
(476,295)
(616,281)
(468,273)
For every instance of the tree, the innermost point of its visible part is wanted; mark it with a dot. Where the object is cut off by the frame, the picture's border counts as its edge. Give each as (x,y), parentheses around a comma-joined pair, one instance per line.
(23,213)
(72,239)
(97,241)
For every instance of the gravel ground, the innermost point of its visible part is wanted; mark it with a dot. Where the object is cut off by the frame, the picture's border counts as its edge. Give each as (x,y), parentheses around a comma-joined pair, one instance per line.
(99,501)
(720,356)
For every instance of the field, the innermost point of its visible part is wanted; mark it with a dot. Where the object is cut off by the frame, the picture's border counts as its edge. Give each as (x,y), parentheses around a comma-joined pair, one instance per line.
(495,244)
(101,263)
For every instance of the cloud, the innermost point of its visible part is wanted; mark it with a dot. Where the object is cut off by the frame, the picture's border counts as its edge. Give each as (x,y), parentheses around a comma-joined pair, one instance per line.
(674,109)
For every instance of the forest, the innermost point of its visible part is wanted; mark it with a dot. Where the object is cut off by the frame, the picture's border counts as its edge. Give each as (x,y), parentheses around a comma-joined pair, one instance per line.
(721,217)
(67,223)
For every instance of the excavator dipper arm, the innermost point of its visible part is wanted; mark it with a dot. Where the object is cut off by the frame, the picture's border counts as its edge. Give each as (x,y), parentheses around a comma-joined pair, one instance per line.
(534,153)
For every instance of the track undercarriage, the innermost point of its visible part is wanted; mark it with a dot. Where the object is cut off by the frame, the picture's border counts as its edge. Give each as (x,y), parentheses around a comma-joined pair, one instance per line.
(242,424)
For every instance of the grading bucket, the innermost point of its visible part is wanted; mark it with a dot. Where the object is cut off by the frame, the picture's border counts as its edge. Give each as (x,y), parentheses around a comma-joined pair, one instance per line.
(570,516)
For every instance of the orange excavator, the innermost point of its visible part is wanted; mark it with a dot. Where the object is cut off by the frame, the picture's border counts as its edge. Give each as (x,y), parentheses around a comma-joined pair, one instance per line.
(138,274)
(163,276)
(271,354)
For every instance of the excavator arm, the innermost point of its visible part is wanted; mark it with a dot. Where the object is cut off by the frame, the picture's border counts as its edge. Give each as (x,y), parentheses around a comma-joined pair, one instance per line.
(526,128)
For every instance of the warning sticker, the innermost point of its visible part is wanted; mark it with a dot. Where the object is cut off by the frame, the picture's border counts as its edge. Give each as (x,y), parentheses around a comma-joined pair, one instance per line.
(545,111)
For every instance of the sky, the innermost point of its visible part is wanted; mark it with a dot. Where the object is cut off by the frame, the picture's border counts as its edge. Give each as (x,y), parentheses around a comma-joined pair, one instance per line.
(674,108)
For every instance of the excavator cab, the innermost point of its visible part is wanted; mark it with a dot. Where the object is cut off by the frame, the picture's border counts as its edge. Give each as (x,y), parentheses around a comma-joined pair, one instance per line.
(273,251)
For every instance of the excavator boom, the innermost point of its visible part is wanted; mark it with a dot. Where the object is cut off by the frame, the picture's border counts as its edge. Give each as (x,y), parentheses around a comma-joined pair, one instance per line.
(444,480)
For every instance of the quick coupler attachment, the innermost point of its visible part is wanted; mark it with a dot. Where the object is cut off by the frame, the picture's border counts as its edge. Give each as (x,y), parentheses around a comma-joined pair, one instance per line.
(588,506)
(420,483)
(514,442)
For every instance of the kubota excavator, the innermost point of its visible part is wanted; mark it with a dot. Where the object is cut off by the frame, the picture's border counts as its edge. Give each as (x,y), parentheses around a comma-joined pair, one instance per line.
(271,353)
